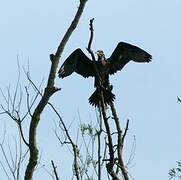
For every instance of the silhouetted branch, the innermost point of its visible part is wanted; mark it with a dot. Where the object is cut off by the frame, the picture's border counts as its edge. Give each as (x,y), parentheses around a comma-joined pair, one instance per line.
(27,102)
(55,170)
(178,99)
(91,35)
(48,92)
(120,141)
(132,153)
(109,165)
(91,51)
(18,121)
(5,171)
(125,131)
(21,132)
(12,160)
(17,86)
(99,154)
(7,161)
(99,132)
(19,161)
(74,146)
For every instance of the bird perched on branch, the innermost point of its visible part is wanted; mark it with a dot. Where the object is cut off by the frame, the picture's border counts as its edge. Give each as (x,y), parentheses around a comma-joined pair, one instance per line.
(101,69)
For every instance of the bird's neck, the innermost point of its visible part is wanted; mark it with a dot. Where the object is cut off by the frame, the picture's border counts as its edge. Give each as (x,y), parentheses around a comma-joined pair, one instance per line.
(102,60)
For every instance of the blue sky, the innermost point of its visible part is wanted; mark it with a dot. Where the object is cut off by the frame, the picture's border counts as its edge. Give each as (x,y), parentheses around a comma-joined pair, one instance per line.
(145,93)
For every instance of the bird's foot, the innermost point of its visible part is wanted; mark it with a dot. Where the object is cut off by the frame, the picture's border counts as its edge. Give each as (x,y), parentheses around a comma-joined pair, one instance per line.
(109,87)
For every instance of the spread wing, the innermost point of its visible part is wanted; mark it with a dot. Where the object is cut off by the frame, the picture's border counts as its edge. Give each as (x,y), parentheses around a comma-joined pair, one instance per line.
(125,52)
(77,62)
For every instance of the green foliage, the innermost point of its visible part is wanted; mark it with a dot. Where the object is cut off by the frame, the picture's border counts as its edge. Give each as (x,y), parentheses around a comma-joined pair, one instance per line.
(87,129)
(175,172)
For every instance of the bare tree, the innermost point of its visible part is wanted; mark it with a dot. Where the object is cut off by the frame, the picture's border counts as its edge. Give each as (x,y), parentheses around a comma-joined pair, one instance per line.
(107,138)
(49,90)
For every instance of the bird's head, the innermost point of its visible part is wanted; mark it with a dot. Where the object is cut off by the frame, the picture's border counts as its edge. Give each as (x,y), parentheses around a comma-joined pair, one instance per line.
(100,55)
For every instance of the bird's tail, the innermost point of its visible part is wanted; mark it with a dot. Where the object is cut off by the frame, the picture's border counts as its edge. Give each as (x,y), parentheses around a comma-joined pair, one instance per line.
(95,98)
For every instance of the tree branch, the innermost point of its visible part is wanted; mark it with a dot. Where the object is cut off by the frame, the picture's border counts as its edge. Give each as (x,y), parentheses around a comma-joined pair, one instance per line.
(90,50)
(91,35)
(74,146)
(21,132)
(120,141)
(48,92)
(109,165)
(55,170)
(125,131)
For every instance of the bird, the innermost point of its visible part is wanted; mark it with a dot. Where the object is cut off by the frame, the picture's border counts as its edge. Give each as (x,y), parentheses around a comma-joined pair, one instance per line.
(101,69)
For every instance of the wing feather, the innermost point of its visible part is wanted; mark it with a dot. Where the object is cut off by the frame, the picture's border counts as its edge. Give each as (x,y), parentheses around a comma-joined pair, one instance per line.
(77,62)
(125,52)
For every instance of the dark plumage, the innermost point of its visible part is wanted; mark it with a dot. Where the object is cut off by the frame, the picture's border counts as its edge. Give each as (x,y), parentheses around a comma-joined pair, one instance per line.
(78,62)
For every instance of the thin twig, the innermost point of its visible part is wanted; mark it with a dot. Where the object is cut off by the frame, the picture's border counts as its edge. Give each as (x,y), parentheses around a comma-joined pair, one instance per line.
(6,160)
(87,147)
(74,146)
(5,171)
(2,93)
(17,85)
(21,131)
(55,170)
(27,102)
(29,106)
(125,131)
(132,153)
(20,157)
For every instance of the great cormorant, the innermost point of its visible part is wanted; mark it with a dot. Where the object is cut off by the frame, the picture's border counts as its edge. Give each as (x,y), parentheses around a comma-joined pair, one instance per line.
(78,62)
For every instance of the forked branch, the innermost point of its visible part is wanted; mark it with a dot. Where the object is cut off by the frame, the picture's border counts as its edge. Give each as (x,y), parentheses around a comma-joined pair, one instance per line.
(48,92)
